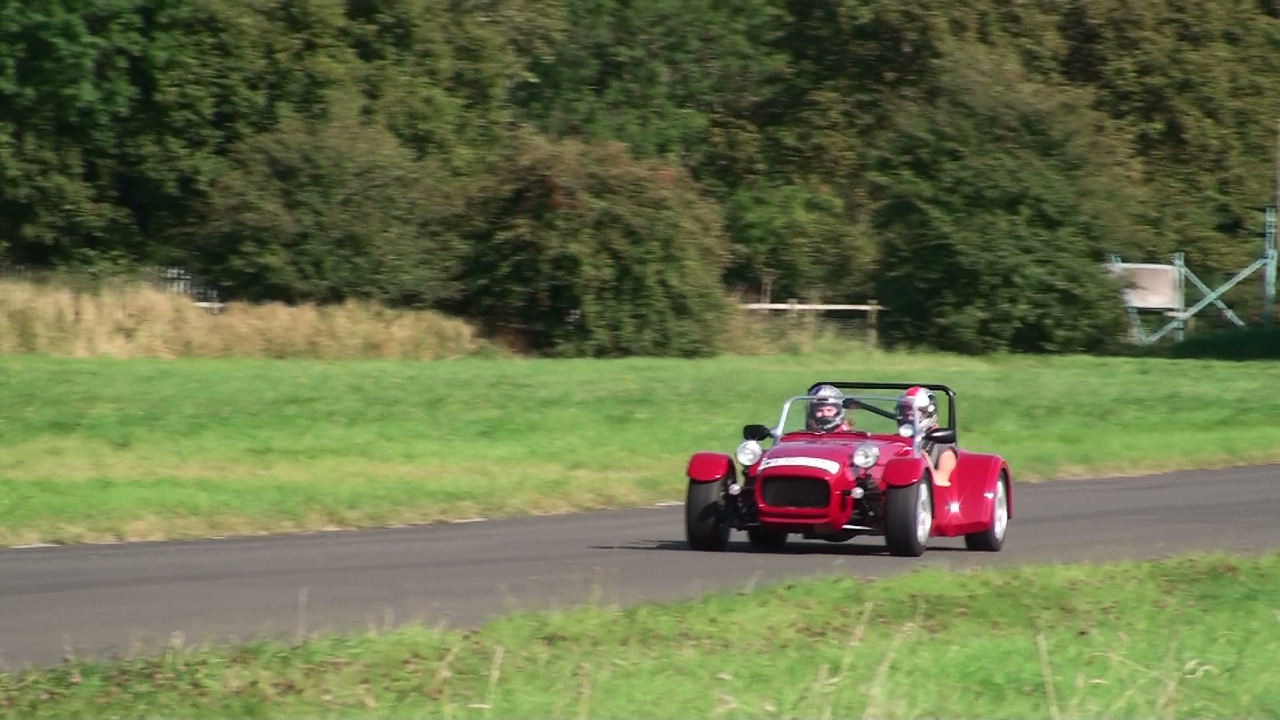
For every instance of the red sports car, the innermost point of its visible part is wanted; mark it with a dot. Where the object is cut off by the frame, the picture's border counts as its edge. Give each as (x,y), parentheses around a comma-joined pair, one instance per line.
(826,476)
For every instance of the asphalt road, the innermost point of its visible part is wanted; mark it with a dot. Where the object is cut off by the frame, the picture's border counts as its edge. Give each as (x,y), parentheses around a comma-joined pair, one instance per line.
(121,599)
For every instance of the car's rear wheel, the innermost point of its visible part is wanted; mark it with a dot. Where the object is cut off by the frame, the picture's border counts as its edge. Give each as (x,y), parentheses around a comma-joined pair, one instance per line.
(766,539)
(992,539)
(704,516)
(908,518)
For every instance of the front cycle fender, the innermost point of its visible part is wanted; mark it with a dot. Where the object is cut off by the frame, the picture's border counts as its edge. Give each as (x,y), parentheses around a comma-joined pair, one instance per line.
(904,471)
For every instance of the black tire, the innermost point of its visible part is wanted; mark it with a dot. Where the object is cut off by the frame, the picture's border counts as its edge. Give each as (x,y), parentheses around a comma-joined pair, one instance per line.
(766,539)
(903,507)
(704,517)
(992,539)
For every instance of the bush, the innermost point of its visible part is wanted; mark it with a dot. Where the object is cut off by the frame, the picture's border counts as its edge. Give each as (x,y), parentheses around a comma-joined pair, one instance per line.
(1254,343)
(580,249)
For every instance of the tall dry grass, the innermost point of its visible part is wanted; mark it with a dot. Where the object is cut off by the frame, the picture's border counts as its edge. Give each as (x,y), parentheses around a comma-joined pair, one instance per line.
(136,320)
(755,333)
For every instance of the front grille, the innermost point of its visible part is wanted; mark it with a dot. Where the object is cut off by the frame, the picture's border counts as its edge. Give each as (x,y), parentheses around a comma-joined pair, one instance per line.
(796,492)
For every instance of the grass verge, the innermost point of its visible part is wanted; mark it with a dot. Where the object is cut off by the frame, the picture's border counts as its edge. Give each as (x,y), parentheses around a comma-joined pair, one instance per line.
(147,449)
(1188,637)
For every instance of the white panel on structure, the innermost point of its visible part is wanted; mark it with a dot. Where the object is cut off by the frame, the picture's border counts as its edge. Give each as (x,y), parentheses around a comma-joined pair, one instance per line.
(1150,286)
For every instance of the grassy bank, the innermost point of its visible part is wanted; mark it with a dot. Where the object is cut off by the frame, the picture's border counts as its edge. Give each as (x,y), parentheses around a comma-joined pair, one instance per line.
(148,449)
(133,320)
(1189,637)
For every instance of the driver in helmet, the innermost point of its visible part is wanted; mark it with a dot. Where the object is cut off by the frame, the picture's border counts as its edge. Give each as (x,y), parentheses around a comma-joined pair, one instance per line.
(826,410)
(922,404)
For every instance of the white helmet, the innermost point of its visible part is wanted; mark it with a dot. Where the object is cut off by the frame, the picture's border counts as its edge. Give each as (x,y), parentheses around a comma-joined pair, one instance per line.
(919,403)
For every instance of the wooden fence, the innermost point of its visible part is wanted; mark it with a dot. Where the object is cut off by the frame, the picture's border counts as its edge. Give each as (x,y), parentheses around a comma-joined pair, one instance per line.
(795,307)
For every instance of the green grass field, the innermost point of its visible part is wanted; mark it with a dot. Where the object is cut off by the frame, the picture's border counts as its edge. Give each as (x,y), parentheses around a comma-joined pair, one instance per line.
(146,449)
(1188,637)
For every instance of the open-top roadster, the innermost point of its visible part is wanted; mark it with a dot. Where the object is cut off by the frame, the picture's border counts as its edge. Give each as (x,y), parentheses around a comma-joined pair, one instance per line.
(827,477)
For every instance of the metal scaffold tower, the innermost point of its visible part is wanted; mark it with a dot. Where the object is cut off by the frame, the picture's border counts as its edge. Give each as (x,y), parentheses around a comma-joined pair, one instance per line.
(1154,286)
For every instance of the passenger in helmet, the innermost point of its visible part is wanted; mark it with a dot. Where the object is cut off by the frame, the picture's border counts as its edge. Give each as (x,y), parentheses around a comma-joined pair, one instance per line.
(920,405)
(826,410)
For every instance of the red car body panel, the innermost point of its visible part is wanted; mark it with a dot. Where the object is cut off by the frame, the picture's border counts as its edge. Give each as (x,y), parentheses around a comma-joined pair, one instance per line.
(804,457)
(962,507)
(903,471)
(972,489)
(710,467)
(827,458)
(807,483)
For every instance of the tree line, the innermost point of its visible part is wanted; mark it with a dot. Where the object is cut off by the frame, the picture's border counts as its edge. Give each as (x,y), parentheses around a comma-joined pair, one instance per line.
(598,177)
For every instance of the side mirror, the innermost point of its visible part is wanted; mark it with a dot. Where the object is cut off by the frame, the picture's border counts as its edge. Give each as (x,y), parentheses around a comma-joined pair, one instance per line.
(755,432)
(941,435)
(851,404)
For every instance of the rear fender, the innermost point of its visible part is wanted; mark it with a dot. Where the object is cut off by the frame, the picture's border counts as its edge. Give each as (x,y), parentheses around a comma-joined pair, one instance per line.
(903,471)
(706,467)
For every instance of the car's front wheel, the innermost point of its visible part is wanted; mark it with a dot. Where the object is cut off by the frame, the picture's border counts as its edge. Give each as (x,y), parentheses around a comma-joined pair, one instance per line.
(908,518)
(992,539)
(704,516)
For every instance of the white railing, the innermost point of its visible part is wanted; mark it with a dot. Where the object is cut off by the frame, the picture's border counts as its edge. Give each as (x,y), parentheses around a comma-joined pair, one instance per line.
(179,280)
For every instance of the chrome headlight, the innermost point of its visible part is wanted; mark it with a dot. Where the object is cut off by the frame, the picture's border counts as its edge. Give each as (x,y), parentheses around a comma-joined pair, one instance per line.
(749,453)
(866,456)
(906,430)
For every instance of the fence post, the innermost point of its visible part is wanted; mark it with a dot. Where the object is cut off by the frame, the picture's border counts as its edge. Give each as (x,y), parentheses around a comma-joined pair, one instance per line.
(1180,260)
(873,330)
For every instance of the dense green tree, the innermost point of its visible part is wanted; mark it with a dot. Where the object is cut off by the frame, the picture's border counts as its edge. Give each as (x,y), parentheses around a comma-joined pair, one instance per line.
(580,249)
(440,75)
(997,210)
(1194,87)
(322,211)
(680,79)
(112,115)
(803,240)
